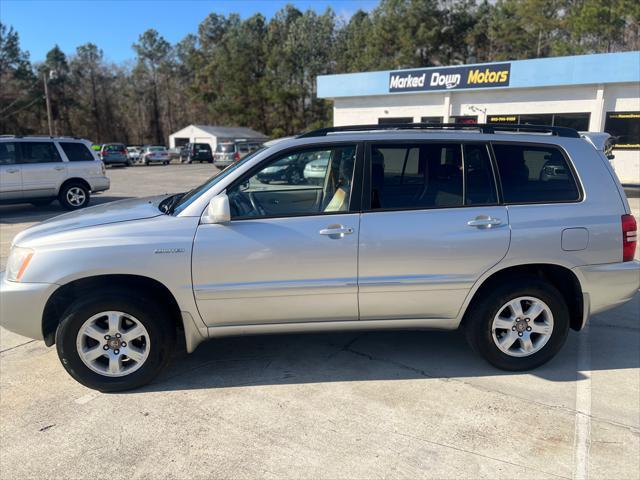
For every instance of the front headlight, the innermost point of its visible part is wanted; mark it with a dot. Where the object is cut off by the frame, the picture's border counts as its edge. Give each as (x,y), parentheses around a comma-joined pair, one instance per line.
(18,261)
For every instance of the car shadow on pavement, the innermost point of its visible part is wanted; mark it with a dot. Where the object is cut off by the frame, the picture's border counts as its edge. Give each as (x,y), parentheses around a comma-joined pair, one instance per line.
(384,355)
(25,212)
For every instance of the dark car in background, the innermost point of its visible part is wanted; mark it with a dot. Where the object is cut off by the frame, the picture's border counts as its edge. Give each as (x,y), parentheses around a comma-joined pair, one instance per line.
(288,169)
(196,152)
(115,154)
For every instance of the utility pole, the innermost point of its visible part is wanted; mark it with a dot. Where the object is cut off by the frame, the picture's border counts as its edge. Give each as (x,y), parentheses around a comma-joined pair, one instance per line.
(46,96)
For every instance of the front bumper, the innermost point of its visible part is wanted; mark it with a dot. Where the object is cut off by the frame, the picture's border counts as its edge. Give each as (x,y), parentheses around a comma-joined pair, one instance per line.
(22,306)
(609,285)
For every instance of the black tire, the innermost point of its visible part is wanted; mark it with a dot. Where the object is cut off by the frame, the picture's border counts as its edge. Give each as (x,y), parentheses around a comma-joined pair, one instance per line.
(41,202)
(153,316)
(165,163)
(479,320)
(64,196)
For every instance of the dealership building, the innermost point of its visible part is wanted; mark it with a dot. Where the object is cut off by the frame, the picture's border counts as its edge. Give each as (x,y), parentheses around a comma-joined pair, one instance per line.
(597,93)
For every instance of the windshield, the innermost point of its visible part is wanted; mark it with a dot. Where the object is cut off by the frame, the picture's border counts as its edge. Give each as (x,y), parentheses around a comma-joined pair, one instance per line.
(114,148)
(157,149)
(189,197)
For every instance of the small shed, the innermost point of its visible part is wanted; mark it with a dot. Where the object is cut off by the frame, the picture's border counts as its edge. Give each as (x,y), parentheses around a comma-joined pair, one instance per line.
(213,135)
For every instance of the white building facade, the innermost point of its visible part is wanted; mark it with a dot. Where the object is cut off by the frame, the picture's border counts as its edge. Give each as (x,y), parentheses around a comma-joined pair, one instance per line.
(598,93)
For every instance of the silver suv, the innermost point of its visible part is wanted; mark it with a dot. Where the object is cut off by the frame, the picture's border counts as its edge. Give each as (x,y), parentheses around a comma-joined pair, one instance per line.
(39,170)
(513,237)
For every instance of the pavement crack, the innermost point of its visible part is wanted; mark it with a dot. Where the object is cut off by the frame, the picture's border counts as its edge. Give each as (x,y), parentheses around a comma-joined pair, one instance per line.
(17,346)
(471,452)
(631,428)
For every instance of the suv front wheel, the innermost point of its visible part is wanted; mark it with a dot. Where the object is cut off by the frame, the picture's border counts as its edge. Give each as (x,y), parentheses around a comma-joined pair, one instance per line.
(112,341)
(74,195)
(518,326)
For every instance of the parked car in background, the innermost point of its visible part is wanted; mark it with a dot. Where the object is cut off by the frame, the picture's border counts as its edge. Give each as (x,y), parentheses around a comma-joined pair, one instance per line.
(602,141)
(230,152)
(133,152)
(315,170)
(196,152)
(39,170)
(174,153)
(114,154)
(155,154)
(411,229)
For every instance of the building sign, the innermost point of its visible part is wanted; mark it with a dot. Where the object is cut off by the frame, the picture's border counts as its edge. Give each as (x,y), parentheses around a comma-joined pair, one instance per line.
(450,78)
(502,118)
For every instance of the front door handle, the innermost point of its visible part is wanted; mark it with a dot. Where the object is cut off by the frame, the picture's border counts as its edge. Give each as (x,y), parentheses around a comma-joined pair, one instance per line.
(336,231)
(484,221)
(58,168)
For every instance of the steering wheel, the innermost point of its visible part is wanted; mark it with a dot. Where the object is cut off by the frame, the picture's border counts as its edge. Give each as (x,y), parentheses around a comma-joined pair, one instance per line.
(244,205)
(256,206)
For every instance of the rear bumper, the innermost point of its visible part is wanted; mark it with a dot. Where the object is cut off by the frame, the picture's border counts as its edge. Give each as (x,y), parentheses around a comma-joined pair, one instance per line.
(22,306)
(99,184)
(115,161)
(609,285)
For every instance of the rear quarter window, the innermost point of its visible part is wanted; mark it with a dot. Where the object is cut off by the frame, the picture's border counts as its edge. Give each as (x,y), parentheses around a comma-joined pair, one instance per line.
(535,174)
(76,152)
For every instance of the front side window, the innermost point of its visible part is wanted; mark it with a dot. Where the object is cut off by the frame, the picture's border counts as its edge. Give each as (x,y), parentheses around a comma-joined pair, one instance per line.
(306,182)
(8,153)
(534,174)
(76,152)
(39,152)
(430,175)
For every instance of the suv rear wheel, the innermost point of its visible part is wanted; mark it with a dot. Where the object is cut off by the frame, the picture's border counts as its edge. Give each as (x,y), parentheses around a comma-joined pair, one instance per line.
(111,341)
(518,326)
(74,195)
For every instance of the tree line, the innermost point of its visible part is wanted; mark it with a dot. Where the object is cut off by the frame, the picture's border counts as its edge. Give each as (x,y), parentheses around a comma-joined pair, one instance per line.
(262,73)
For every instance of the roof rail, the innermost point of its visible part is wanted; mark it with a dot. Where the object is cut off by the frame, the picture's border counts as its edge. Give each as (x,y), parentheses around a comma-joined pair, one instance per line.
(11,135)
(482,127)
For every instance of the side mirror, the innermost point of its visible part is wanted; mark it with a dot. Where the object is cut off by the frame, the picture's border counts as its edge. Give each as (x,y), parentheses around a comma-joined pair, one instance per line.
(610,156)
(218,210)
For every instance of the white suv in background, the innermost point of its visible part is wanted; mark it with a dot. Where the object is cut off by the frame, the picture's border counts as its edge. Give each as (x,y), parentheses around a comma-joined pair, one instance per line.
(39,170)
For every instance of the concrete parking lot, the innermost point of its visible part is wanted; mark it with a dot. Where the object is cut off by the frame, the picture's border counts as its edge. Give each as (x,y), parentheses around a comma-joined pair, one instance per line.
(344,405)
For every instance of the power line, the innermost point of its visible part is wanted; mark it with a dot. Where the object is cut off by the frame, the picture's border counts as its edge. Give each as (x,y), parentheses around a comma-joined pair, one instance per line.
(26,106)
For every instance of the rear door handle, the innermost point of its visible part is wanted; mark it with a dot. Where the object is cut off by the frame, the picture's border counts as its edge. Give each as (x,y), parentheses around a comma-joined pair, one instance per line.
(13,170)
(484,221)
(336,231)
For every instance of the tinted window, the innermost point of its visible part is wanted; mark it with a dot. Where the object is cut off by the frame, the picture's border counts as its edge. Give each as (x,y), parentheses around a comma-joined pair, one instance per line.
(532,174)
(430,176)
(114,147)
(225,147)
(284,186)
(39,152)
(479,184)
(7,153)
(76,152)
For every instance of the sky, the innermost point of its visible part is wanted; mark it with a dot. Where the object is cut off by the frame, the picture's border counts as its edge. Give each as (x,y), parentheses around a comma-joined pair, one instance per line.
(114,25)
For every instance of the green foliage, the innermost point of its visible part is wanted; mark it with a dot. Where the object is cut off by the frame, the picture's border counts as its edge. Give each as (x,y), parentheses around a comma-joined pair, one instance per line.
(262,73)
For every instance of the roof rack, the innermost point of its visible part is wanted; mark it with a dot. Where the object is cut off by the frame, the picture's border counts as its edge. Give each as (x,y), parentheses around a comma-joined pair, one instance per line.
(11,135)
(482,127)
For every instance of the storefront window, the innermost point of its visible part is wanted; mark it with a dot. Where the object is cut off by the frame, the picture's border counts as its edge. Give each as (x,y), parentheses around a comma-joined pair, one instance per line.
(391,120)
(579,121)
(537,119)
(431,119)
(625,126)
(466,119)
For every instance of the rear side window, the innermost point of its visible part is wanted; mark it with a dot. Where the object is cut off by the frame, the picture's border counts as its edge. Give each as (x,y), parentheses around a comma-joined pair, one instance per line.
(39,152)
(433,175)
(534,174)
(8,153)
(76,152)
